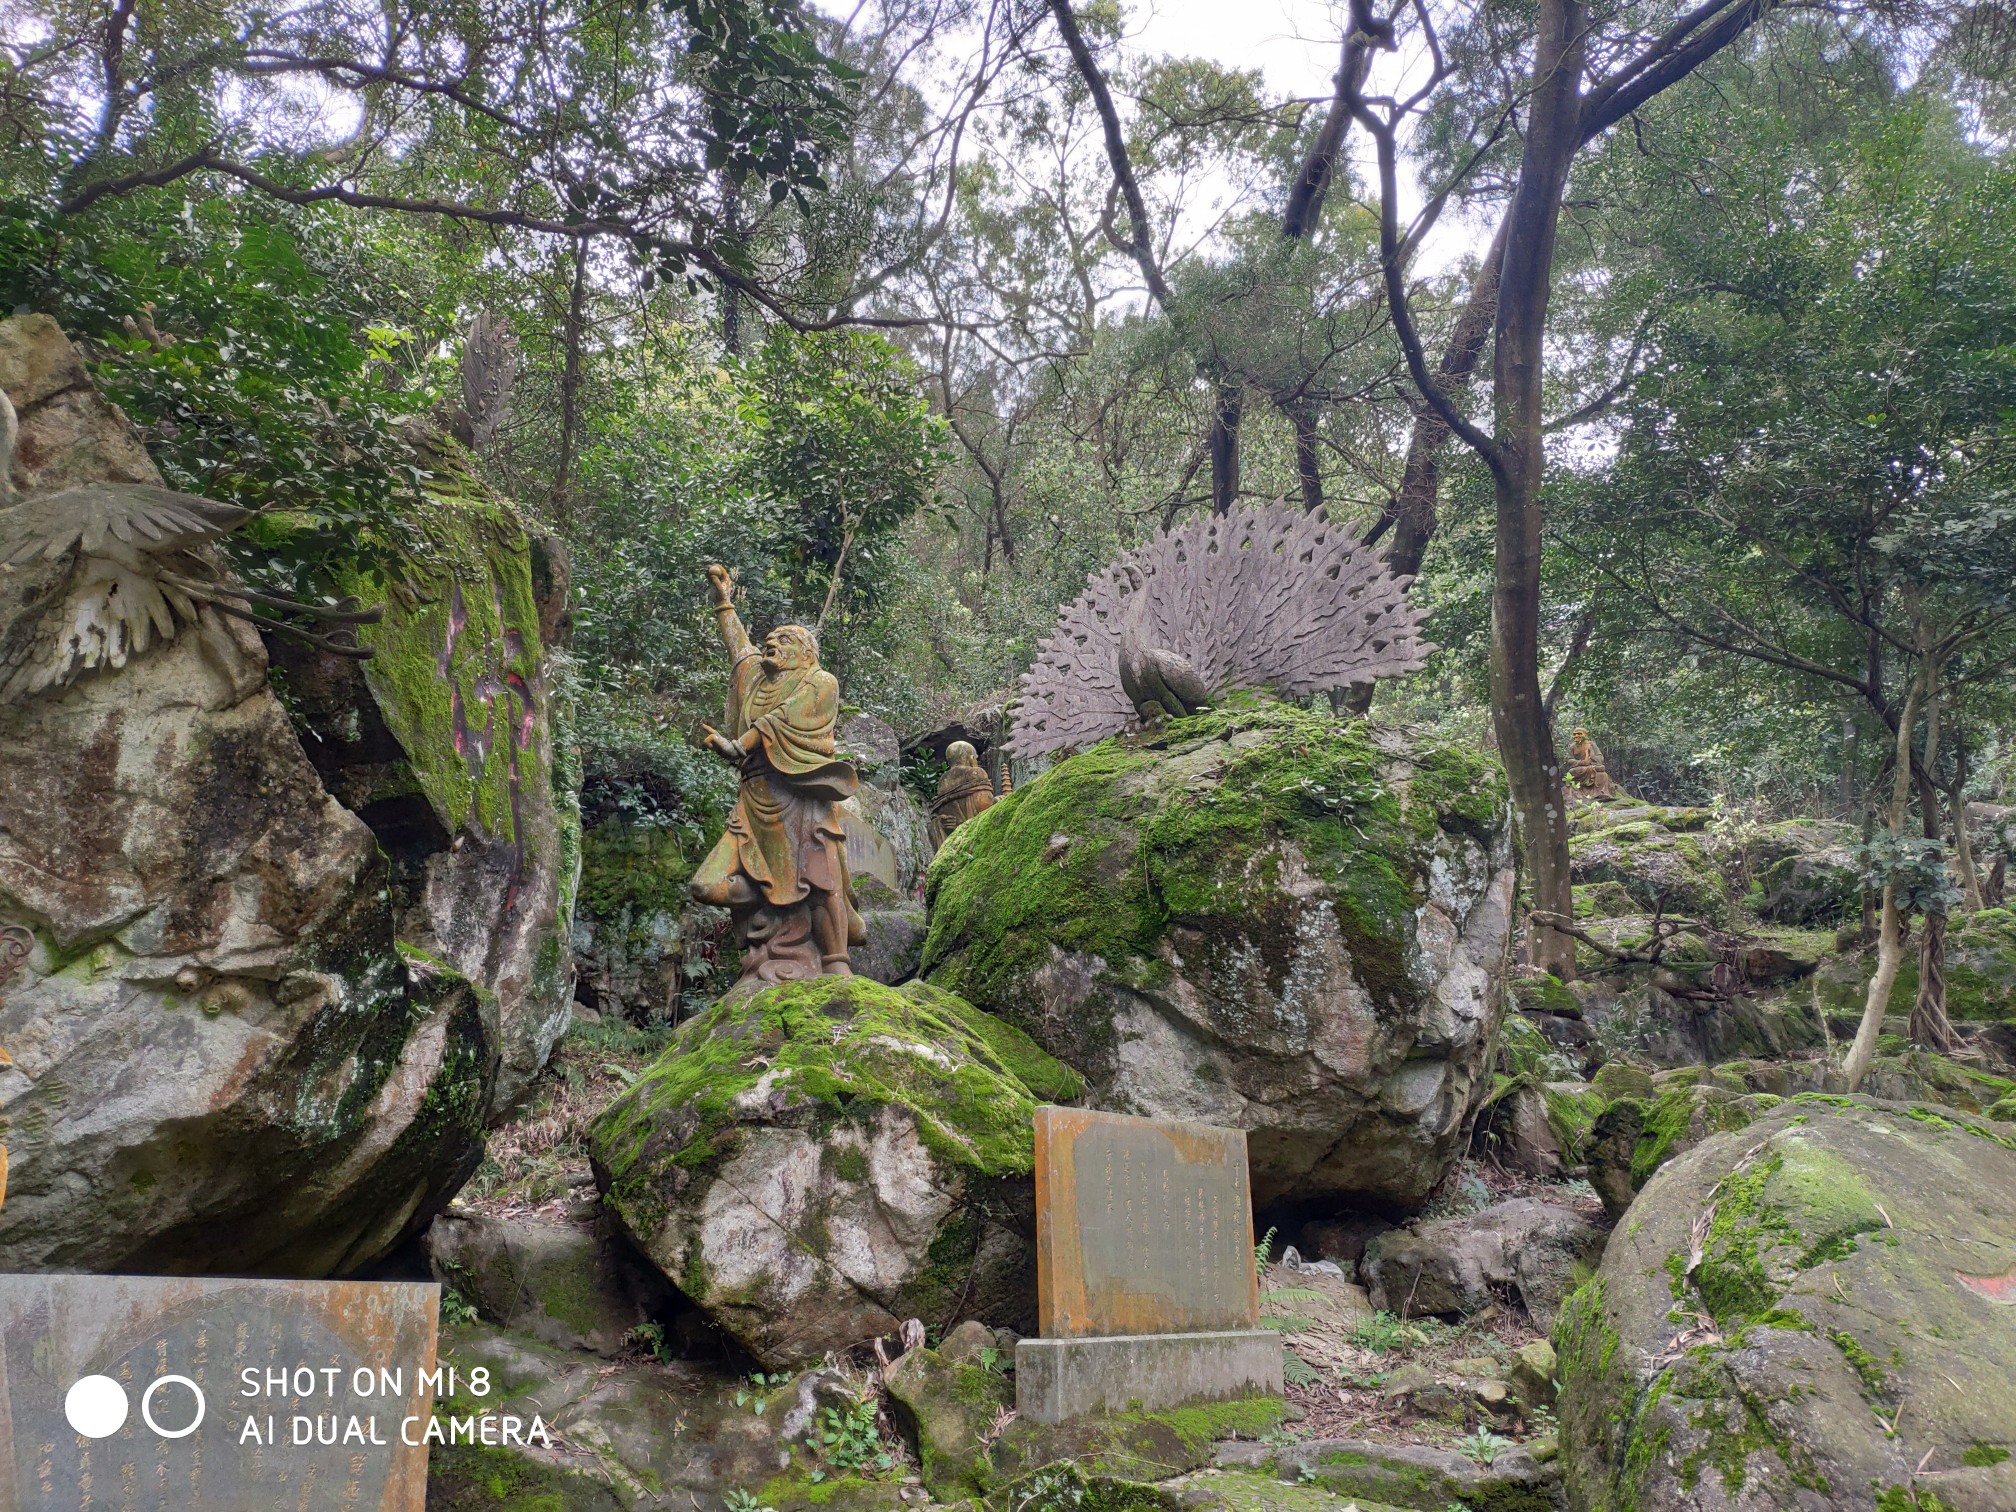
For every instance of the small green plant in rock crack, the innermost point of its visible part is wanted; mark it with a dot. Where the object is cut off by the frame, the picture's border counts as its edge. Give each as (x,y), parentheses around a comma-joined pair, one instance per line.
(758,1384)
(650,1337)
(996,1361)
(739,1500)
(1049,1490)
(1483,1446)
(849,1440)
(456,1308)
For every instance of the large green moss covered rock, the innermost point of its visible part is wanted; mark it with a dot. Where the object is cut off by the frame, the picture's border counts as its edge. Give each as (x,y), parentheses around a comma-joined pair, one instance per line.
(231,1049)
(1662,867)
(1802,873)
(640,1436)
(1808,1313)
(817,1163)
(1264,918)
(1980,972)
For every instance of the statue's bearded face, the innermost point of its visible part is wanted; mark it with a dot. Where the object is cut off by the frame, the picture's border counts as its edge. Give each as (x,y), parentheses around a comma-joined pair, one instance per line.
(789,647)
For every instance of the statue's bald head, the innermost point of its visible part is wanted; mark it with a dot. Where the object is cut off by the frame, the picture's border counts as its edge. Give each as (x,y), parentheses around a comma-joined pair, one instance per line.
(790,646)
(961,753)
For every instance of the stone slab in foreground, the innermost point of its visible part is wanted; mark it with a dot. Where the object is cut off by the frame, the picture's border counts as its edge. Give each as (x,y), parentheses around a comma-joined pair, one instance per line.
(131,1392)
(1059,1379)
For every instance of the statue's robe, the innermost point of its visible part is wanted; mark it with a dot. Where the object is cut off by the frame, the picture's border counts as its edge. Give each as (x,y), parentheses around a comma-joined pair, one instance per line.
(784,834)
(962,792)
(1587,770)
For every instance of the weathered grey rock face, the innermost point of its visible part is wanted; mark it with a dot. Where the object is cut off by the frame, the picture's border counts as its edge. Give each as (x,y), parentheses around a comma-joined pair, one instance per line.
(1266,919)
(1524,1250)
(637,1435)
(1804,873)
(240,1043)
(577,1286)
(819,1162)
(1810,1313)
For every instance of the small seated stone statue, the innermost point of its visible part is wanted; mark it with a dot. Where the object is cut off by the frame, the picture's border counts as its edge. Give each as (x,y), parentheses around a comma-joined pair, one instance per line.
(964,790)
(1586,770)
(780,868)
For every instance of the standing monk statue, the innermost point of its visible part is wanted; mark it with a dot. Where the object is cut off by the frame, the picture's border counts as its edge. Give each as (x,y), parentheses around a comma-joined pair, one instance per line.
(964,790)
(781,866)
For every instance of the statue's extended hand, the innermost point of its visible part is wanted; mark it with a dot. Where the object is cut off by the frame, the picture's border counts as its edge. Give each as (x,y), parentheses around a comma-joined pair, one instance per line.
(723,581)
(721,745)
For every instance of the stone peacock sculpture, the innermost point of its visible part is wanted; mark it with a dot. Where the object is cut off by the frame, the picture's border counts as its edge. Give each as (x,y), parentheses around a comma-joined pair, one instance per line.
(1265,597)
(137,575)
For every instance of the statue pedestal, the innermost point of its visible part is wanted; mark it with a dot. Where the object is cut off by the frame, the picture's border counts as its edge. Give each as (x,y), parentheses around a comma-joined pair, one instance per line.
(1056,1379)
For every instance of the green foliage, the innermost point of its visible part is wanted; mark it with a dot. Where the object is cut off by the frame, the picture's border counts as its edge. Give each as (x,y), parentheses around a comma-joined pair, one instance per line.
(850,1440)
(650,1337)
(1913,865)
(274,385)
(457,1309)
(1383,1333)
(1264,1249)
(1482,1445)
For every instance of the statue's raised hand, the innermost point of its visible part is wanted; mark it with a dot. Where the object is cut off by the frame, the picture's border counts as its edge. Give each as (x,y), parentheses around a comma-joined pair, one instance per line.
(723,581)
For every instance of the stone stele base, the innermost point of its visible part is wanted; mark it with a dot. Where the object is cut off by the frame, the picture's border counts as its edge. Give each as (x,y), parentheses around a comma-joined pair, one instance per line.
(1056,1379)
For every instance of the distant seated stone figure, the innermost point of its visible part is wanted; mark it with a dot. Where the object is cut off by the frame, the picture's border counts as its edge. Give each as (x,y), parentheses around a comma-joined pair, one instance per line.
(780,868)
(1586,770)
(964,790)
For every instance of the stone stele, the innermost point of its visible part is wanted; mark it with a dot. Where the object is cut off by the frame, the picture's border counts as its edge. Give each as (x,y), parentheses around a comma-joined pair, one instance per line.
(161,1347)
(1146,1289)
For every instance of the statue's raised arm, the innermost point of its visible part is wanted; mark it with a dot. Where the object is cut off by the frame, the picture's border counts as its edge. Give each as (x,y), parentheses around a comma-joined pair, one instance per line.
(732,632)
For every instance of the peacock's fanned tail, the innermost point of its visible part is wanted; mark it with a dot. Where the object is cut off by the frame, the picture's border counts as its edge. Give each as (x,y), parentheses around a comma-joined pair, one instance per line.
(1260,598)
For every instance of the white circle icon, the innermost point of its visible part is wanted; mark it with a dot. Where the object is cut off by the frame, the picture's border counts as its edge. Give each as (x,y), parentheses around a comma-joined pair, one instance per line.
(147,1406)
(96,1406)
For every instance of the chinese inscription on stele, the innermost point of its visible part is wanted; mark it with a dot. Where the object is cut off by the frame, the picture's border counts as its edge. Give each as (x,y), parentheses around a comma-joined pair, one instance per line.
(1145,1288)
(1142,1226)
(169,1394)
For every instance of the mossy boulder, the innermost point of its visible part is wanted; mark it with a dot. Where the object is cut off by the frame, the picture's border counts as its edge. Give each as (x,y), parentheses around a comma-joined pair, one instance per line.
(230,1053)
(819,1162)
(576,1285)
(950,1408)
(1980,972)
(1802,873)
(1659,865)
(638,1435)
(1527,1250)
(1634,1136)
(1264,918)
(1416,1476)
(1808,1313)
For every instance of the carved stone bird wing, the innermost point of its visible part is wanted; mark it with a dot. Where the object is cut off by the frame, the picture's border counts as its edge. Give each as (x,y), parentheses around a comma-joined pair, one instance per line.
(1258,598)
(133,580)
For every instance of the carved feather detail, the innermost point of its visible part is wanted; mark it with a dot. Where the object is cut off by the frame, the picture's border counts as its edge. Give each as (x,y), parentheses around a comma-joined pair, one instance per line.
(1259,598)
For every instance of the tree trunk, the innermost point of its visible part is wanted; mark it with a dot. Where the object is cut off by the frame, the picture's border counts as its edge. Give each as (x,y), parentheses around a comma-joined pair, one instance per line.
(1998,883)
(1930,1026)
(1229,403)
(1963,844)
(1890,936)
(1308,464)
(1889,956)
(570,390)
(1518,712)
(1414,513)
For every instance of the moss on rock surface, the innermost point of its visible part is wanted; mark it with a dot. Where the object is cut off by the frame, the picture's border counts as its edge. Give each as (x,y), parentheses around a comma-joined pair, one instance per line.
(1980,973)
(1263,917)
(1777,1295)
(817,1163)
(1657,864)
